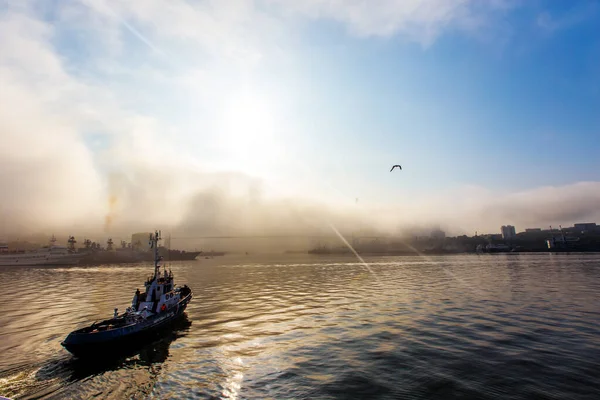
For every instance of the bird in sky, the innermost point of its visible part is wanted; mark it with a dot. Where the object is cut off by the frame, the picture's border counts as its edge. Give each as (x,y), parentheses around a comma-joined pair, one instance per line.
(395,167)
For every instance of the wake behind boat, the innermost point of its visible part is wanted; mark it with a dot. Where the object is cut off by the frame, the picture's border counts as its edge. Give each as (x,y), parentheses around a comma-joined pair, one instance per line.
(161,304)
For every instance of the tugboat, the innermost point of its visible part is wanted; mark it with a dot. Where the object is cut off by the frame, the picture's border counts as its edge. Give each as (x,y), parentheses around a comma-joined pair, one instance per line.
(161,304)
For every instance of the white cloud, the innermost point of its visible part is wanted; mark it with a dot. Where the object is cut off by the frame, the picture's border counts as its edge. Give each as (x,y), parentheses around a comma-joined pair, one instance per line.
(473,208)
(419,20)
(36,130)
(229,29)
(53,99)
(574,16)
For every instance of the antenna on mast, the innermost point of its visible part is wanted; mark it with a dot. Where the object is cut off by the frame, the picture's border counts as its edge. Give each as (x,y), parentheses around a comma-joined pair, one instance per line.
(154,244)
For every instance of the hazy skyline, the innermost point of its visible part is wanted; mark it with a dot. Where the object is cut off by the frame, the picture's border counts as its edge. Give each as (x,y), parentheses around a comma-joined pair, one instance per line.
(273,116)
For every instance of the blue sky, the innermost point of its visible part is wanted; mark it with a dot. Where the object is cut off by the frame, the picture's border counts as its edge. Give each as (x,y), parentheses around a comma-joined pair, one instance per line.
(313,99)
(511,112)
(464,111)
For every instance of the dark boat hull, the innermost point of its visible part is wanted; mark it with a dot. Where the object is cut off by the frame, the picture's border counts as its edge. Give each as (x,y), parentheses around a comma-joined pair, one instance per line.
(176,255)
(81,343)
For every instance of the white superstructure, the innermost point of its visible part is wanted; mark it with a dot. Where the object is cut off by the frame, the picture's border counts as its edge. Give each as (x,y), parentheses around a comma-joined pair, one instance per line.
(160,294)
(48,255)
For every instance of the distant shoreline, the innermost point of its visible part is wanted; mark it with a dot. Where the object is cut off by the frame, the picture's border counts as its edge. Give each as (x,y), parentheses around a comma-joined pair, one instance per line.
(425,253)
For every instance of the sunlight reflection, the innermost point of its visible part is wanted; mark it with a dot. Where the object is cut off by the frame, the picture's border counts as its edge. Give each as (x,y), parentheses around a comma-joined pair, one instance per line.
(233,383)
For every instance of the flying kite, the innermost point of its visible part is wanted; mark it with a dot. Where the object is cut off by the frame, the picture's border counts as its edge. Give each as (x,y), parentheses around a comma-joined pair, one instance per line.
(395,167)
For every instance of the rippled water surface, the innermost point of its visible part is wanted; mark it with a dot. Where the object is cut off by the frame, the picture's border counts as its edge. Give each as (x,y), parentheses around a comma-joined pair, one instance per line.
(282,327)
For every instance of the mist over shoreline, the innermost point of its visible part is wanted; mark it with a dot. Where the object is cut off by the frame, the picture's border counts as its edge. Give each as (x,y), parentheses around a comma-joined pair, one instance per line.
(243,212)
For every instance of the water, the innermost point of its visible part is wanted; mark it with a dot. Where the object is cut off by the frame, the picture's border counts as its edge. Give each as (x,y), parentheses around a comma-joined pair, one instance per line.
(281,327)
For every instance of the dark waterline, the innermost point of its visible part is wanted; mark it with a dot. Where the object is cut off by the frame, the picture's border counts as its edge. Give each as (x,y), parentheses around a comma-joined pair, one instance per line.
(442,327)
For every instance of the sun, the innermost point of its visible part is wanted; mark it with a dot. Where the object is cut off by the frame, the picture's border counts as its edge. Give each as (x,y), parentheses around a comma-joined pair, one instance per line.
(248,134)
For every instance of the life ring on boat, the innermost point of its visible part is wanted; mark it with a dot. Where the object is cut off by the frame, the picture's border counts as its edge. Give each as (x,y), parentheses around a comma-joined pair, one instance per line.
(163,307)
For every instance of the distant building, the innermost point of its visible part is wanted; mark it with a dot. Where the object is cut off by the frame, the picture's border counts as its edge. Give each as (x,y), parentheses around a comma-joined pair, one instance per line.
(533,230)
(508,232)
(140,241)
(587,226)
(492,236)
(561,241)
(438,234)
(497,248)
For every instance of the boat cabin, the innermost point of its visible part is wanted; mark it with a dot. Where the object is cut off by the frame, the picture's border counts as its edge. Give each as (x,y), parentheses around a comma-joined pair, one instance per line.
(159,294)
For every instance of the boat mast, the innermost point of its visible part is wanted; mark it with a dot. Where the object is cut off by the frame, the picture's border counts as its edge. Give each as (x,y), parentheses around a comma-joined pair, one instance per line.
(71,242)
(154,238)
